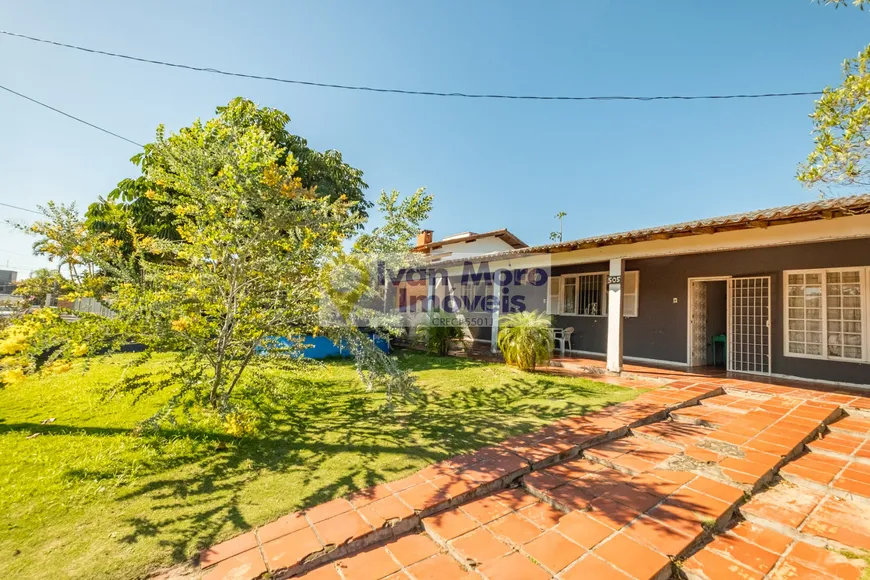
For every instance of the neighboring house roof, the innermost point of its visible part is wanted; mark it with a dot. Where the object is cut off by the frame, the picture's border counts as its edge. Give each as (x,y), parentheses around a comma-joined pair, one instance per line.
(828,208)
(466,237)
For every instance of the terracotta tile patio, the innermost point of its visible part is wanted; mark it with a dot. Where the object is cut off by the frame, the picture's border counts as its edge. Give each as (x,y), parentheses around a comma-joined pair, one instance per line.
(714,476)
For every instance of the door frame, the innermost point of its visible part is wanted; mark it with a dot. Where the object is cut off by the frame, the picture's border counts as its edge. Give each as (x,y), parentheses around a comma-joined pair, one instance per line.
(769,325)
(689,328)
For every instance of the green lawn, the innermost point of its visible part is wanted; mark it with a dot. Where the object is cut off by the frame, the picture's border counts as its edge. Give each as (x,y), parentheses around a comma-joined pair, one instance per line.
(89,499)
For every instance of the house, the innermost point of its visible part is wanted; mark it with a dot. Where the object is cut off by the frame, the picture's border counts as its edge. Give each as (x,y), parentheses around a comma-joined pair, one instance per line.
(412,295)
(781,292)
(467,244)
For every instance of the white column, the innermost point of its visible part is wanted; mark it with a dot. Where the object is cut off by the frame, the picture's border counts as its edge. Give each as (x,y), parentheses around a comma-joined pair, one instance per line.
(496,293)
(614,315)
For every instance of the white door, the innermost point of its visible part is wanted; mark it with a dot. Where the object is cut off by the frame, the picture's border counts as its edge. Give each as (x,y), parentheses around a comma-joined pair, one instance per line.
(749,325)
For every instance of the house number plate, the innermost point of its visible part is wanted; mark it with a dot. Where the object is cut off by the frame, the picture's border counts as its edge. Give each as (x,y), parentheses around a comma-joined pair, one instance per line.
(614,279)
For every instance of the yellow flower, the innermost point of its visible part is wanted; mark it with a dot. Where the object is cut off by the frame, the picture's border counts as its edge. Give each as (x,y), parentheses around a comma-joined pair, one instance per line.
(239,423)
(13,375)
(57,367)
(14,343)
(81,349)
(181,324)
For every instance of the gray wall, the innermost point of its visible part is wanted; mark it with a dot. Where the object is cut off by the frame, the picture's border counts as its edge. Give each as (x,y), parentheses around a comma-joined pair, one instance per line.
(660,331)
(8,276)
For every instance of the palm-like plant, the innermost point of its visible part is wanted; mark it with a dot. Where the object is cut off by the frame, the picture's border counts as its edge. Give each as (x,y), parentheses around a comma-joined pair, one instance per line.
(440,329)
(524,339)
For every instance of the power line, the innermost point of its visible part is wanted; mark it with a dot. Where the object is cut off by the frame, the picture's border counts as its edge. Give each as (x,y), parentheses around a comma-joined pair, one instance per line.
(413,92)
(73,117)
(17,207)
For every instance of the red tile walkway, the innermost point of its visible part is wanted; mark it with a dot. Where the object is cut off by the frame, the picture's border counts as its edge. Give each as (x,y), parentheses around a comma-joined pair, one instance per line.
(718,477)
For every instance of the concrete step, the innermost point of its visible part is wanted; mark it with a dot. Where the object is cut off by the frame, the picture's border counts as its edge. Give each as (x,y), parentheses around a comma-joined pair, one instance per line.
(846,480)
(733,402)
(752,551)
(852,426)
(842,446)
(674,433)
(705,416)
(631,455)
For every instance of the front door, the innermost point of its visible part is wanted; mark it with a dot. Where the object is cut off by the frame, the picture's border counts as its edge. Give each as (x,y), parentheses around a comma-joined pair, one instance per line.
(749,325)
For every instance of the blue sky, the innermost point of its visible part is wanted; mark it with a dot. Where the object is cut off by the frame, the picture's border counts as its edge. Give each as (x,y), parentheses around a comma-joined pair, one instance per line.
(490,164)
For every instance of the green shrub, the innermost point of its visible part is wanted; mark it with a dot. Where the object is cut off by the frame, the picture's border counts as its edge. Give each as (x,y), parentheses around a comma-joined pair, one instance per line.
(524,339)
(440,330)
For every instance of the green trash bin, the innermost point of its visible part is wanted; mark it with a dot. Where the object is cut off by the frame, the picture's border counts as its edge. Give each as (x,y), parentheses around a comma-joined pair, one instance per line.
(717,340)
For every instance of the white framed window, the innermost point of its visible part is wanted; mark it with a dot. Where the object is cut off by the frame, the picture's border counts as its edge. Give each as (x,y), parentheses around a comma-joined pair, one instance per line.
(586,294)
(474,295)
(826,313)
(630,293)
(554,295)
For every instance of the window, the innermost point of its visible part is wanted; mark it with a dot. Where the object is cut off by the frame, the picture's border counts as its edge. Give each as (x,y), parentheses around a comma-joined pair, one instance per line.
(586,294)
(630,287)
(583,294)
(825,314)
(569,295)
(474,295)
(554,298)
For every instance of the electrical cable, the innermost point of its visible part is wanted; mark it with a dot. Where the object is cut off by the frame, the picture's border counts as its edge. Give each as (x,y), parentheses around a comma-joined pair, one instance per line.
(414,92)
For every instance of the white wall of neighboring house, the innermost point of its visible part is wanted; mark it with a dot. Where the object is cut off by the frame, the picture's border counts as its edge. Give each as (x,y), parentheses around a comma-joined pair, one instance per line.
(477,247)
(10,298)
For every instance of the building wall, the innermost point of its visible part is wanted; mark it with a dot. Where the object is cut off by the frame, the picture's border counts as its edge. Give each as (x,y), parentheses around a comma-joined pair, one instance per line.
(477,247)
(8,276)
(7,281)
(660,331)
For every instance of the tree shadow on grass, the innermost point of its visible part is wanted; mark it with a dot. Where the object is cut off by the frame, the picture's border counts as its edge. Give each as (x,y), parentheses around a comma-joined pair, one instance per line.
(413,360)
(196,498)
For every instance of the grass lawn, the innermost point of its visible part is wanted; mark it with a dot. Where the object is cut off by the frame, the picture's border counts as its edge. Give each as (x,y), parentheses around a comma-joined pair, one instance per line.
(89,499)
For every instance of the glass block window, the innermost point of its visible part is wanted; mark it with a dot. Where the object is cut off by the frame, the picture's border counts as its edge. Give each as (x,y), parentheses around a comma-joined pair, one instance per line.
(826,314)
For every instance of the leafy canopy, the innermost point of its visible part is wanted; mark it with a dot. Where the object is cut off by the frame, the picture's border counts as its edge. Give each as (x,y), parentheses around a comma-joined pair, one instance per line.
(841,130)
(132,202)
(860,4)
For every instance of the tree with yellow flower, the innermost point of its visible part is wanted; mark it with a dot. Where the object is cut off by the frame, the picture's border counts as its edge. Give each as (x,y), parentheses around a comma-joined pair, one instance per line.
(246,266)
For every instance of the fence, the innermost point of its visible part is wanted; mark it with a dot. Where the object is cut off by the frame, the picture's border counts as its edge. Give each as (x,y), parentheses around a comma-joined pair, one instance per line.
(89,305)
(92,306)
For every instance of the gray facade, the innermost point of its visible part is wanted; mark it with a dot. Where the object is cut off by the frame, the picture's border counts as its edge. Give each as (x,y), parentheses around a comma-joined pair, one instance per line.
(660,332)
(7,281)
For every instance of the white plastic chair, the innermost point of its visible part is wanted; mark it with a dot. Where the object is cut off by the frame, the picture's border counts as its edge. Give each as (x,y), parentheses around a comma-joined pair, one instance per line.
(563,339)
